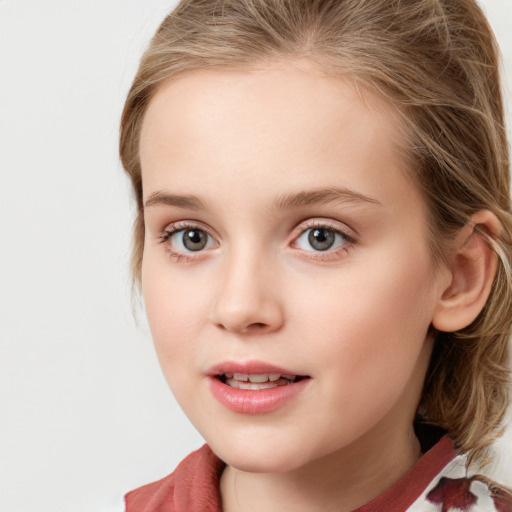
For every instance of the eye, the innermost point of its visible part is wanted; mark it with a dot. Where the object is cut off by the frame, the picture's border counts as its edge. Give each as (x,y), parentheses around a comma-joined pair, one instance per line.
(190,239)
(321,238)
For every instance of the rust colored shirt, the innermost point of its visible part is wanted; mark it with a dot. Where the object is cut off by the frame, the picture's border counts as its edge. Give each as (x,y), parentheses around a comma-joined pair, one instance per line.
(437,482)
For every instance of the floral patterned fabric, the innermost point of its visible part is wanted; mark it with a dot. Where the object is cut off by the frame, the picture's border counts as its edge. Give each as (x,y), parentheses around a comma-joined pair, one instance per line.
(453,491)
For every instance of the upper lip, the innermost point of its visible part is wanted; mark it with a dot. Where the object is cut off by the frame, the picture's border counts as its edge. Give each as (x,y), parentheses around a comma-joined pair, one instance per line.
(249,367)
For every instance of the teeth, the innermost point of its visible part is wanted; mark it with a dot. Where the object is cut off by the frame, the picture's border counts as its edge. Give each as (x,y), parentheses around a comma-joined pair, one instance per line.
(257,377)
(257,380)
(254,385)
(254,377)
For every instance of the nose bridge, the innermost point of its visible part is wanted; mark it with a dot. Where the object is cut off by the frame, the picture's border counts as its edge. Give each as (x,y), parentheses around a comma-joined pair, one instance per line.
(247,299)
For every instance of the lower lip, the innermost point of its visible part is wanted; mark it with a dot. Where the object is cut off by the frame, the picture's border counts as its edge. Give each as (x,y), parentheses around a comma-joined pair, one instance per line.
(250,401)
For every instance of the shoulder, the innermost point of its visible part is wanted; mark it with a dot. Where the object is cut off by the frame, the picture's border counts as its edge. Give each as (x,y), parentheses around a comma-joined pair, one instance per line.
(454,489)
(192,487)
(439,482)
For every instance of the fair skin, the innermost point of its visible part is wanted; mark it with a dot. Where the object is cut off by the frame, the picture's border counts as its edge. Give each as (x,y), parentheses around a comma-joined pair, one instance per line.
(350,310)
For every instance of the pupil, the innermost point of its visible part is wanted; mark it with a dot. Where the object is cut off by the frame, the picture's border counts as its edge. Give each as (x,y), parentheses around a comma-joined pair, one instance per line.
(321,239)
(194,240)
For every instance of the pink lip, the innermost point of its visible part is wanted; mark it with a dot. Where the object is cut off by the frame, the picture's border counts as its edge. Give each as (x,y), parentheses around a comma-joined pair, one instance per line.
(247,367)
(247,401)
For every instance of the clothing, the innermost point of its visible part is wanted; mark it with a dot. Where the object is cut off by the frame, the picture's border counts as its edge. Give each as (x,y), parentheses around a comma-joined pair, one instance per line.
(436,483)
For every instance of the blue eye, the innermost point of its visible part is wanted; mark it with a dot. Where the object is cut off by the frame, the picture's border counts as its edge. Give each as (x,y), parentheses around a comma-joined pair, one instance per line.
(188,240)
(321,239)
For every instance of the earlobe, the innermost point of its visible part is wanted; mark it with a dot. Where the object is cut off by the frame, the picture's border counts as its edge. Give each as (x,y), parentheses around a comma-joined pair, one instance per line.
(473,267)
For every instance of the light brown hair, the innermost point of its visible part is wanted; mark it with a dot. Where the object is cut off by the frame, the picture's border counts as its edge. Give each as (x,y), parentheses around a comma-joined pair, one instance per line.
(436,63)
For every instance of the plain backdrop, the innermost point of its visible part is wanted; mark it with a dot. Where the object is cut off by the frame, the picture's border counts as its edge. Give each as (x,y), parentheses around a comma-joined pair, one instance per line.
(85,414)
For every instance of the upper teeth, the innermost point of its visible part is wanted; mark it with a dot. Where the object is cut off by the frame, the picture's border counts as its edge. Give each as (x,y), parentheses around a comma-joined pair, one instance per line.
(257,377)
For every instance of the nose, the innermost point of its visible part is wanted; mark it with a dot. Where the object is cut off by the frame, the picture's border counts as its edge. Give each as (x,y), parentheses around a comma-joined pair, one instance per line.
(248,301)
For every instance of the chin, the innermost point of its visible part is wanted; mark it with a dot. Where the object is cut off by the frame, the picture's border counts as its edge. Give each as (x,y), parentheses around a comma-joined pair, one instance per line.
(257,463)
(259,456)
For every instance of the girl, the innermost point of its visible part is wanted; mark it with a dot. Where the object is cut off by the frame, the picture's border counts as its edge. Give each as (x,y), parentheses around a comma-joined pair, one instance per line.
(324,245)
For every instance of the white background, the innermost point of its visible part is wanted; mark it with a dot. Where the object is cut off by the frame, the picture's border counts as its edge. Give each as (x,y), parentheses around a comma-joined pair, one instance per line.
(85,414)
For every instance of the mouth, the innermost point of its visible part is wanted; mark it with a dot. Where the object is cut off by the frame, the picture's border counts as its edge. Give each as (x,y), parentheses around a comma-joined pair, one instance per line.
(257,381)
(255,387)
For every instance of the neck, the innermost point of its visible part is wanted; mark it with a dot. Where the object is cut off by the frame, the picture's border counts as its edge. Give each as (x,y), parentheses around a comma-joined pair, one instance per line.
(342,481)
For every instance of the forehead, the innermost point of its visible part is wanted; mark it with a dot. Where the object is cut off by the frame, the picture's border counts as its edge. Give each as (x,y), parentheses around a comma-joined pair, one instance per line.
(288,122)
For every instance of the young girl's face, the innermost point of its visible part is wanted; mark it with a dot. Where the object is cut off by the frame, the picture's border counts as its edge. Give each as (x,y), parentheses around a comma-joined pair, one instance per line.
(284,239)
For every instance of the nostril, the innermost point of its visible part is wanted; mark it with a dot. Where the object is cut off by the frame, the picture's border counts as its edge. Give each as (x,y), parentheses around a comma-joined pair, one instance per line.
(256,326)
(247,316)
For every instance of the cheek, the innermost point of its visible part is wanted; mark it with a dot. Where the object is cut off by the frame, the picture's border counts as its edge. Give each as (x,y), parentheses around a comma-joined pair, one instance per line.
(176,311)
(370,325)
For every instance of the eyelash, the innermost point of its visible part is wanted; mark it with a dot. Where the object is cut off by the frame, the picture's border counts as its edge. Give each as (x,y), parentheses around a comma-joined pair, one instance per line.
(327,255)
(174,228)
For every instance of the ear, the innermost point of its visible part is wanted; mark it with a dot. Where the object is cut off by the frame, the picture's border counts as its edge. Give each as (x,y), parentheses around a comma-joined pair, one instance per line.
(473,267)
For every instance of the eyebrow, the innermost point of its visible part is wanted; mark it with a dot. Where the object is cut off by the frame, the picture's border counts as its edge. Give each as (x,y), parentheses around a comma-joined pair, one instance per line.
(321,197)
(181,201)
(286,201)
